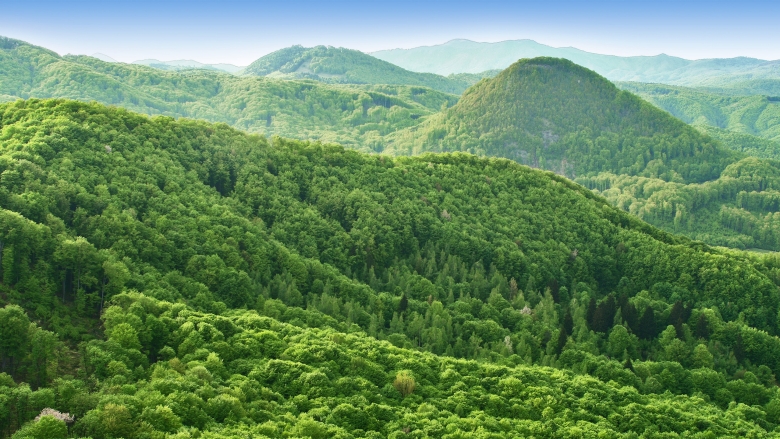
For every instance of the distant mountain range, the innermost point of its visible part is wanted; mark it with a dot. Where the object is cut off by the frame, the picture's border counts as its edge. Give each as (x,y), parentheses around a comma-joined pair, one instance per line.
(465,56)
(184,64)
(350,114)
(175,65)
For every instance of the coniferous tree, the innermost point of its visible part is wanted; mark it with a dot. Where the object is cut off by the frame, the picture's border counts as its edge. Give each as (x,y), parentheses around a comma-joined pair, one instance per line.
(403,304)
(604,316)
(562,338)
(591,312)
(555,288)
(630,316)
(702,327)
(568,322)
(676,314)
(647,326)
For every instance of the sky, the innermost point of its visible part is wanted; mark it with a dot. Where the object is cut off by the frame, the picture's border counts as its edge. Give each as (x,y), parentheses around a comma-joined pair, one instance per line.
(238,32)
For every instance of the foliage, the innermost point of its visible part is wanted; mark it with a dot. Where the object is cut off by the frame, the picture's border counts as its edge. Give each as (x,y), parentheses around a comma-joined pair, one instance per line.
(757,115)
(331,384)
(272,287)
(737,210)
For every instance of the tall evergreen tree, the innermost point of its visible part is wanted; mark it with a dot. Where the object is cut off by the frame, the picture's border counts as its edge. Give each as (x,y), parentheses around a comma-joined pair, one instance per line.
(568,322)
(647,325)
(702,327)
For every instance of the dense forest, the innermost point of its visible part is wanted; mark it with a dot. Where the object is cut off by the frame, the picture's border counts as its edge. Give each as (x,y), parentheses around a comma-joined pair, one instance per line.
(757,115)
(738,210)
(552,114)
(290,289)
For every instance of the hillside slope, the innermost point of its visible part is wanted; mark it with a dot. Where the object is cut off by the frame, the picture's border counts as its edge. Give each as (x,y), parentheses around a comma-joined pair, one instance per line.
(551,113)
(464,56)
(356,116)
(757,115)
(345,66)
(241,374)
(226,235)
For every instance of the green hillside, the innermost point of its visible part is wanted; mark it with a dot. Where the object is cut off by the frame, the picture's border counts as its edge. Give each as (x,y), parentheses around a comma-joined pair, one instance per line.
(554,114)
(299,289)
(356,116)
(746,143)
(578,129)
(755,115)
(346,66)
(738,210)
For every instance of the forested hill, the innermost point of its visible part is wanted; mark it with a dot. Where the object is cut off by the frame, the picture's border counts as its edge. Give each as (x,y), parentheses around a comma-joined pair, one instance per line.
(219,260)
(352,115)
(340,65)
(757,115)
(554,114)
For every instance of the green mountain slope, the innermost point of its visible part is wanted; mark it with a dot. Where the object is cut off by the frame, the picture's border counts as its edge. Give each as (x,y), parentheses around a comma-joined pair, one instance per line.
(551,113)
(754,115)
(356,116)
(464,56)
(249,253)
(345,66)
(746,143)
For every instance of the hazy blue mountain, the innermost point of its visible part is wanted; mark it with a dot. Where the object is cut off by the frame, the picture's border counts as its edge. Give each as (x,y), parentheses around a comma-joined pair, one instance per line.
(103,57)
(464,56)
(184,64)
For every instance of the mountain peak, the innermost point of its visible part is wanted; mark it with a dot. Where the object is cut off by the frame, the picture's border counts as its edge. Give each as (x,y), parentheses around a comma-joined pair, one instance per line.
(346,66)
(554,114)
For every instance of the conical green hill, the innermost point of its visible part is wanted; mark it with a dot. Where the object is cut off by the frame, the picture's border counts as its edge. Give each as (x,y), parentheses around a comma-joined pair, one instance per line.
(554,114)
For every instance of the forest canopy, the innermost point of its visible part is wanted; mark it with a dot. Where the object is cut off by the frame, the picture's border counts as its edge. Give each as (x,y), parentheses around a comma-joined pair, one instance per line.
(292,288)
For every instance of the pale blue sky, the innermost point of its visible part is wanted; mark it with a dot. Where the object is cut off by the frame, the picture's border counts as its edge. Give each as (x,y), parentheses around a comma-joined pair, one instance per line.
(238,32)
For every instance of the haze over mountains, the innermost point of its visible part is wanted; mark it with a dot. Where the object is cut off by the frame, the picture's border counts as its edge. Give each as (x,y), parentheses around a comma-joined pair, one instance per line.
(464,56)
(182,64)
